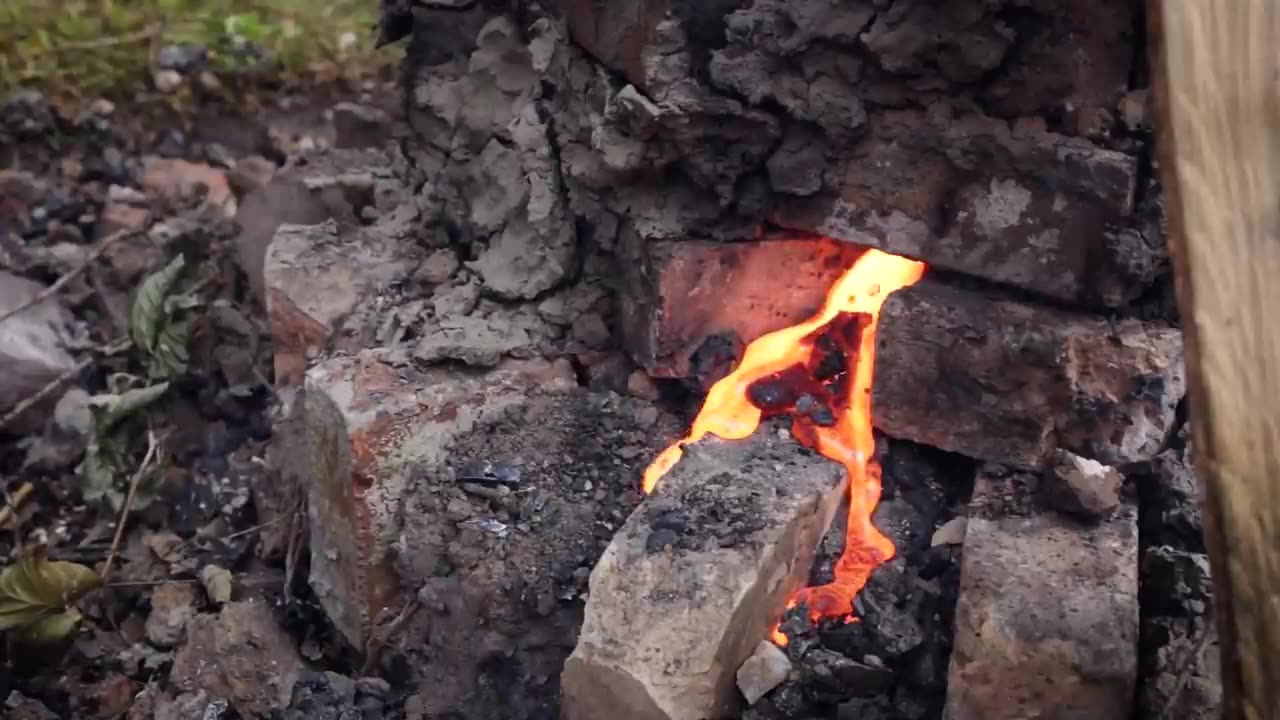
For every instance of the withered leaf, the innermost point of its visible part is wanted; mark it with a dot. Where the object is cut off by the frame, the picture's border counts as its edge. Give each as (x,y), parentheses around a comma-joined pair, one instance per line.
(156,333)
(33,591)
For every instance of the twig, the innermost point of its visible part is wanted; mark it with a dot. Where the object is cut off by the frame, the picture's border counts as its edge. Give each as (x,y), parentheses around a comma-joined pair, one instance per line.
(11,504)
(145,33)
(57,382)
(61,282)
(152,445)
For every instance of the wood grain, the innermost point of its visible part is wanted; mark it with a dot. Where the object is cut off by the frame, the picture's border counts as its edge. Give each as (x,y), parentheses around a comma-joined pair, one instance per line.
(1217,66)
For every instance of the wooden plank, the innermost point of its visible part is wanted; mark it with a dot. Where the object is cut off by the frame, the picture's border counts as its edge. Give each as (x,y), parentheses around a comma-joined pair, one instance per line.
(1217,66)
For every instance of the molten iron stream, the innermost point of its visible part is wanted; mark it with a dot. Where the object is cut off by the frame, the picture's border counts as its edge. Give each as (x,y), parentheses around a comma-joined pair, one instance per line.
(729,414)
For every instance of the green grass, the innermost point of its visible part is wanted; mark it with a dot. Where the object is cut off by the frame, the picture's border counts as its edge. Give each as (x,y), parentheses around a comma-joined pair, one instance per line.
(89,48)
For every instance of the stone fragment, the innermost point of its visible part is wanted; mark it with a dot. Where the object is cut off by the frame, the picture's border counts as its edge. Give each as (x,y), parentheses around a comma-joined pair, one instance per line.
(475,341)
(677,295)
(316,278)
(763,671)
(640,385)
(172,606)
(1083,487)
(20,707)
(1047,619)
(675,608)
(437,268)
(250,174)
(359,126)
(121,217)
(167,81)
(351,439)
(1027,208)
(1175,582)
(950,533)
(32,350)
(180,182)
(1008,382)
(241,655)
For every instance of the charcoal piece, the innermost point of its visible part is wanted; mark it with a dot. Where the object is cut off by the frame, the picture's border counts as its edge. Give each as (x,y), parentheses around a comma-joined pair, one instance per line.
(486,472)
(1174,582)
(833,678)
(779,392)
(816,410)
(659,540)
(714,359)
(827,360)
(791,702)
(673,520)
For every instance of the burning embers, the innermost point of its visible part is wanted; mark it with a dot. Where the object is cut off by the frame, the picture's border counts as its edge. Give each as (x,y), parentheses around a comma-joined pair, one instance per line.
(819,372)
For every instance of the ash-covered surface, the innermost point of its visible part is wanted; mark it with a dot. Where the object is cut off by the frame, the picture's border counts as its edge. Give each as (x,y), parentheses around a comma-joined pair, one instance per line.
(501,569)
(1179,665)
(892,663)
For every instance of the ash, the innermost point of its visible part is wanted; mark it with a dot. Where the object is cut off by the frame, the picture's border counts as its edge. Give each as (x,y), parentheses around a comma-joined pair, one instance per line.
(503,570)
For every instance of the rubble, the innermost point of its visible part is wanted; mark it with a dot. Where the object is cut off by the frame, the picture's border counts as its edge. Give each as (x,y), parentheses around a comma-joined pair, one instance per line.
(763,671)
(172,607)
(1047,619)
(1009,382)
(180,182)
(1083,487)
(695,578)
(33,350)
(317,278)
(242,656)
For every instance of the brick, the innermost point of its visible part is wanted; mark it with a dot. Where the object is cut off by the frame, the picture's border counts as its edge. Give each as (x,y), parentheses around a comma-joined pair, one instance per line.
(680,599)
(680,293)
(1047,619)
(1025,208)
(351,438)
(1010,382)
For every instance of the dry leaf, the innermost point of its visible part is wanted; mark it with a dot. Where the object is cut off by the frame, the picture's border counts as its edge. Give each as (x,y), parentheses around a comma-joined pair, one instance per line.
(36,595)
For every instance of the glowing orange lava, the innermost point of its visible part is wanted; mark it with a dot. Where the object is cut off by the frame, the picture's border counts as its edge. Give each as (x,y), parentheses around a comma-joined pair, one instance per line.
(730,414)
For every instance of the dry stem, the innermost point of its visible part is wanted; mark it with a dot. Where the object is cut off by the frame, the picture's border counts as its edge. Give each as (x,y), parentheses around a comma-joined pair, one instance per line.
(11,504)
(152,446)
(61,282)
(57,382)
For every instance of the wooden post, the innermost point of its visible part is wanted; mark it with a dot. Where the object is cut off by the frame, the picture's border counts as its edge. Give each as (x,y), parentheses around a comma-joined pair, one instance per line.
(1217,69)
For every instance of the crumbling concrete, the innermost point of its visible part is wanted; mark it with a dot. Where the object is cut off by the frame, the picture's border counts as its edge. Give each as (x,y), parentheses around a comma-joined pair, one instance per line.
(1047,620)
(1010,382)
(695,579)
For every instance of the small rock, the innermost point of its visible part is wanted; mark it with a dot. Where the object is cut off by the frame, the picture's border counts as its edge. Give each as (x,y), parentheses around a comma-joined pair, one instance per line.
(951,532)
(640,385)
(180,182)
(250,173)
(182,58)
(1134,110)
(765,670)
(474,341)
(359,126)
(241,654)
(32,350)
(118,217)
(125,194)
(167,81)
(1084,487)
(72,416)
(591,330)
(20,707)
(323,696)
(437,268)
(217,583)
(102,107)
(26,114)
(1174,582)
(172,605)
